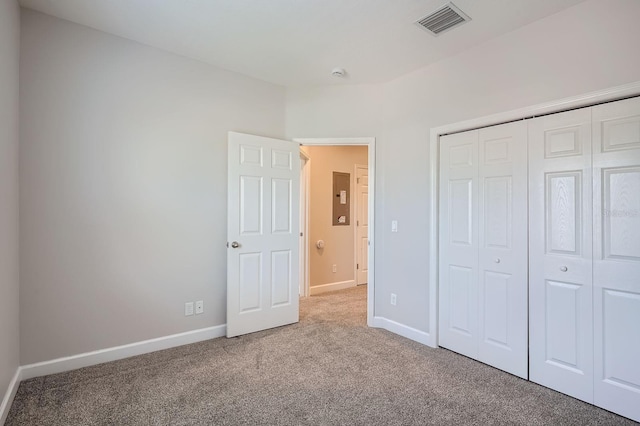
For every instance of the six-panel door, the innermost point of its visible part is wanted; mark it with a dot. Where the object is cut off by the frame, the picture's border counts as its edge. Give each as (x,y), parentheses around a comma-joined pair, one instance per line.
(560,284)
(616,260)
(263,232)
(458,280)
(502,240)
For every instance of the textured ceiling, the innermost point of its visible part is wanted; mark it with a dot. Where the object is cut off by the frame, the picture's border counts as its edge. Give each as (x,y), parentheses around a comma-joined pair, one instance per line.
(299,42)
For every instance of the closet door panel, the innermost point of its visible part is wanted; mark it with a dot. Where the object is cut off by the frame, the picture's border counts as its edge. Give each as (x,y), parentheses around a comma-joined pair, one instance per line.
(560,252)
(458,268)
(502,216)
(616,267)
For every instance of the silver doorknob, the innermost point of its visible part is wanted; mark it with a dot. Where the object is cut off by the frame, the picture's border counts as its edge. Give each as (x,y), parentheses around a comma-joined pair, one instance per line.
(235,244)
(497,260)
(564,268)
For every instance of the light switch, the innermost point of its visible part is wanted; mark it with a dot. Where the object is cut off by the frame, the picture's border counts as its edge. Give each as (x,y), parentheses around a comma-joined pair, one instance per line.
(188,309)
(394,226)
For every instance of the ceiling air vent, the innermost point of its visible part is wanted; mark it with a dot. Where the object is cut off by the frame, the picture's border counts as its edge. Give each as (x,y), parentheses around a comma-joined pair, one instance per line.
(443,19)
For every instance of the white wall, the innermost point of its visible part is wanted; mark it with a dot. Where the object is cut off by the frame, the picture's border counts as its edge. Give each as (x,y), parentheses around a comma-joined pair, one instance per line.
(588,47)
(9,291)
(123,186)
(333,111)
(339,241)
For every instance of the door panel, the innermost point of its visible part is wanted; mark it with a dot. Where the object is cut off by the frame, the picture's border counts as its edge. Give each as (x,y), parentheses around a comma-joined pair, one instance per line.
(562,207)
(460,206)
(250,284)
(619,357)
(495,286)
(616,257)
(281,208)
(621,233)
(460,294)
(251,196)
(263,216)
(562,325)
(458,269)
(280,278)
(560,281)
(498,215)
(502,211)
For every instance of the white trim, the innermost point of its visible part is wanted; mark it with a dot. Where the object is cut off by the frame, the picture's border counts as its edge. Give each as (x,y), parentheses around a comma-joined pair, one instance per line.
(335,141)
(618,92)
(120,352)
(403,330)
(323,288)
(579,101)
(11,393)
(371,143)
(305,177)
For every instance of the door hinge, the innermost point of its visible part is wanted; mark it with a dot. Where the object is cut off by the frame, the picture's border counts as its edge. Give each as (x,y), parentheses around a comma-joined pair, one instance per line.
(357,223)
(301,234)
(357,266)
(358,180)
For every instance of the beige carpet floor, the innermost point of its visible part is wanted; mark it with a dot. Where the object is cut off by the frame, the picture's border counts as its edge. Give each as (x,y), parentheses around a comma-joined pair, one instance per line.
(329,369)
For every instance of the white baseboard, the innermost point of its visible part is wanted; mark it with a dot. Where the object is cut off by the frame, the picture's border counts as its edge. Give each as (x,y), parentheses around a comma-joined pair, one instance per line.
(404,331)
(11,393)
(119,352)
(323,288)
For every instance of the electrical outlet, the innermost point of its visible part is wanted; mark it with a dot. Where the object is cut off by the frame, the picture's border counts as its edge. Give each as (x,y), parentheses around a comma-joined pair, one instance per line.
(188,309)
(199,307)
(335,268)
(393,299)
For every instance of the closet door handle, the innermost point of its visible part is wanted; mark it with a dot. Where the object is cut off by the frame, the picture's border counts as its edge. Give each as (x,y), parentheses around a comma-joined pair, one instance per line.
(497,260)
(564,268)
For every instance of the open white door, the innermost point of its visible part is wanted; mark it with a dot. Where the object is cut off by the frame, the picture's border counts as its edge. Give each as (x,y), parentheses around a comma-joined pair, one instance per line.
(262,232)
(362,224)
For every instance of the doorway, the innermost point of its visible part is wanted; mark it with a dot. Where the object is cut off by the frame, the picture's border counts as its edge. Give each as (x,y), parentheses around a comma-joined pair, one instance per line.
(358,223)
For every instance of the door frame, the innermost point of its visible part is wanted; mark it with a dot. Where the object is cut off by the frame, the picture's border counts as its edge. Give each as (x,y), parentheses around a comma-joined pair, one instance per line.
(565,104)
(369,142)
(305,175)
(355,228)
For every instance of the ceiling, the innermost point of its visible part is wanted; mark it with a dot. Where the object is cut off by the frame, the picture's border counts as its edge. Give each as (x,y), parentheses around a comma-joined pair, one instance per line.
(299,42)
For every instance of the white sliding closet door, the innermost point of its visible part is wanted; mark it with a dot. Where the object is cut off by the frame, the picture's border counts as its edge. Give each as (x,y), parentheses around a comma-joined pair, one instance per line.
(560,284)
(483,245)
(616,264)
